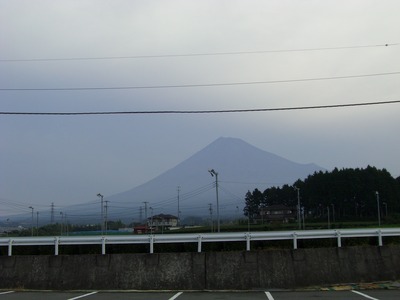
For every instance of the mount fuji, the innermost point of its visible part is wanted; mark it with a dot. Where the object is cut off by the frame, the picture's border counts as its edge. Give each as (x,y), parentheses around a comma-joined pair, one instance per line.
(240,166)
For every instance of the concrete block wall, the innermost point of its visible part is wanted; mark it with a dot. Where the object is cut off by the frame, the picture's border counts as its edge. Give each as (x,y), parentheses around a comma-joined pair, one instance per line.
(202,271)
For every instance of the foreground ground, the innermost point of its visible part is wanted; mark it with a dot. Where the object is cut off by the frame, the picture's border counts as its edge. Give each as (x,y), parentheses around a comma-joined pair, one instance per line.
(372,291)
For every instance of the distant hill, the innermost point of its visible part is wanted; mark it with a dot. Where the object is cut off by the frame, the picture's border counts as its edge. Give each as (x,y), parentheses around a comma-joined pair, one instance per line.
(240,167)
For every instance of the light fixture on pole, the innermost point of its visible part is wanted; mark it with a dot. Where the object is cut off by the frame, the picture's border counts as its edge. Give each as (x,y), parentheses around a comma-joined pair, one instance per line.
(102,213)
(379,212)
(213,173)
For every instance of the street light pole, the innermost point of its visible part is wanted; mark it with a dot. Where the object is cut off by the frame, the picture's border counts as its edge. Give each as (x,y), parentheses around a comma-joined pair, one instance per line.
(37,223)
(248,222)
(66,224)
(298,206)
(151,221)
(179,211)
(379,212)
(212,172)
(145,210)
(211,216)
(32,219)
(106,217)
(102,213)
(62,223)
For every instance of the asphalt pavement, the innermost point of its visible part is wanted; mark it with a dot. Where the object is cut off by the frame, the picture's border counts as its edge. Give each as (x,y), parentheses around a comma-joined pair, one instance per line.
(374,294)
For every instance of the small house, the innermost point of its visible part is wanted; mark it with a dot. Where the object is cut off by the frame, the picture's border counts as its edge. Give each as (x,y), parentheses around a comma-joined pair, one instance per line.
(162,221)
(278,213)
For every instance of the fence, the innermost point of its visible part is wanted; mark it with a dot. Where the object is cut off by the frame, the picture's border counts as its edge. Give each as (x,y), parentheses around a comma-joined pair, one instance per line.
(199,238)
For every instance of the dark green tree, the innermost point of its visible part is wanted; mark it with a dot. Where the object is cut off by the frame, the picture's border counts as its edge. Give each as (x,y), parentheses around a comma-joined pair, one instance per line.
(253,203)
(346,193)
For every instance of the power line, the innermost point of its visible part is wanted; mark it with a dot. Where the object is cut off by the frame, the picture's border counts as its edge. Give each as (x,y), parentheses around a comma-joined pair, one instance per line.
(195,54)
(197,85)
(202,111)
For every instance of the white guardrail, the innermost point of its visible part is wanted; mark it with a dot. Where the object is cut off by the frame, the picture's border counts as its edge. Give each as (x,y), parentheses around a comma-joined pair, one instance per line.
(199,238)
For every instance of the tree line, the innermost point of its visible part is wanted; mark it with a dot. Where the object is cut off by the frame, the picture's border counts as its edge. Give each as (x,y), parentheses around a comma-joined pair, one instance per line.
(347,193)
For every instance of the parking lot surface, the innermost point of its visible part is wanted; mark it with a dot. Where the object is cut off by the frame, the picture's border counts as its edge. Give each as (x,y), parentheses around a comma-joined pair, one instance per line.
(268,295)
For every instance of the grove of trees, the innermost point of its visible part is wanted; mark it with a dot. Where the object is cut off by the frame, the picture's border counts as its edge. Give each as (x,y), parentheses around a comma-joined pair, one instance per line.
(348,193)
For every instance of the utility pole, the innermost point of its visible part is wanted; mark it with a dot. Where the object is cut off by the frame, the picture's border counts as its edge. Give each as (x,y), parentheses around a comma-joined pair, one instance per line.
(62,222)
(106,218)
(102,212)
(52,213)
(141,214)
(145,210)
(298,207)
(211,216)
(248,221)
(179,211)
(213,173)
(66,223)
(32,219)
(151,221)
(37,223)
(379,211)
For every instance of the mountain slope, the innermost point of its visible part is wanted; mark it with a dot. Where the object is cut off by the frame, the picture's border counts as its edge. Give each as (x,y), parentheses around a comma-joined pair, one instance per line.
(240,166)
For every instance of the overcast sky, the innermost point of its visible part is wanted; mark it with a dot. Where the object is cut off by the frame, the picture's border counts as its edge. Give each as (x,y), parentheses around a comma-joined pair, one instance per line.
(69,159)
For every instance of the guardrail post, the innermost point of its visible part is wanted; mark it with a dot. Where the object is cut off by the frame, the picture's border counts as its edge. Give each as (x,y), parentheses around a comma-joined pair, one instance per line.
(151,239)
(294,240)
(10,242)
(339,239)
(199,238)
(103,245)
(56,243)
(151,244)
(380,237)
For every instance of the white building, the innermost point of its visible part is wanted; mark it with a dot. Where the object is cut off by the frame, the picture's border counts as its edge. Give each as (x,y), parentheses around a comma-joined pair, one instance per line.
(162,221)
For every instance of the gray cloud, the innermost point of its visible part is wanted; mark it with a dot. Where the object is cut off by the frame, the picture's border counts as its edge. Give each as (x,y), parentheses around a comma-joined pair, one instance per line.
(70,159)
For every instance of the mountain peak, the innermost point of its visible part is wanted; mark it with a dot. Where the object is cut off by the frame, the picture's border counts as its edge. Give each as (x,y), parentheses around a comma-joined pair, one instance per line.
(228,141)
(240,166)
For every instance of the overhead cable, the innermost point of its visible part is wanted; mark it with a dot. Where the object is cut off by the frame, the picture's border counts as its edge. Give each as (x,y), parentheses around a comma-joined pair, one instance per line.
(195,54)
(199,111)
(197,85)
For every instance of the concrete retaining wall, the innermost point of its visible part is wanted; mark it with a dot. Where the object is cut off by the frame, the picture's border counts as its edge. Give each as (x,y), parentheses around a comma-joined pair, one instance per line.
(200,271)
